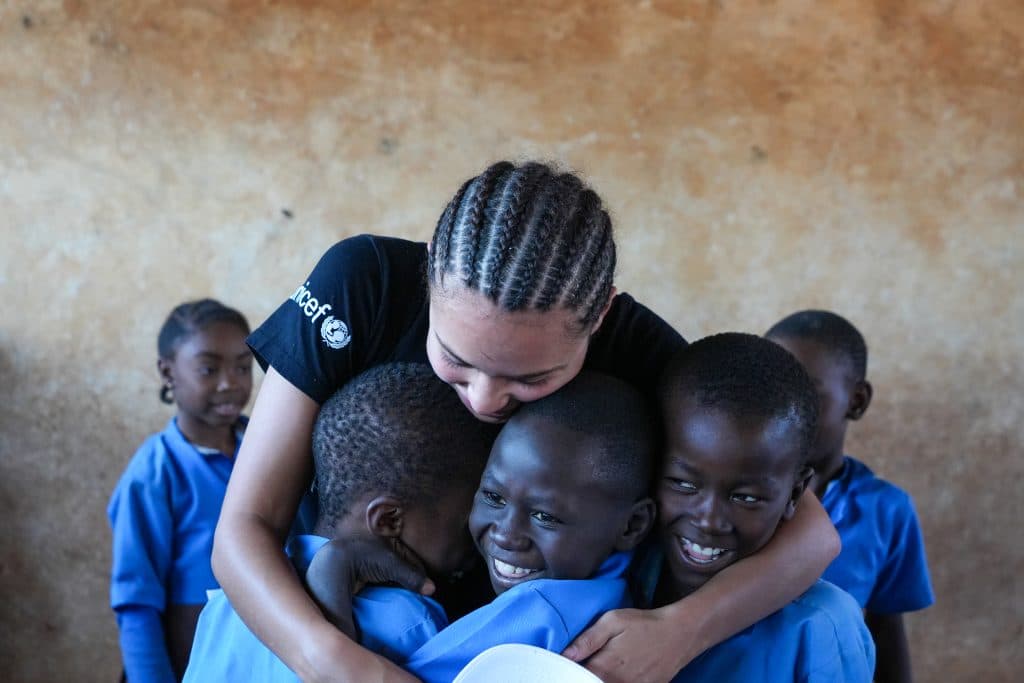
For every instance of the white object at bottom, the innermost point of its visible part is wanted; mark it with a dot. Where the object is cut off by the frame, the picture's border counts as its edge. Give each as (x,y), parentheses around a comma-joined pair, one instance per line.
(516,663)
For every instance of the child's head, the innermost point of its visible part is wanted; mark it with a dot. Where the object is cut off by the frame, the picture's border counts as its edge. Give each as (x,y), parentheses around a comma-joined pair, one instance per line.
(204,362)
(520,271)
(834,354)
(397,457)
(739,416)
(567,483)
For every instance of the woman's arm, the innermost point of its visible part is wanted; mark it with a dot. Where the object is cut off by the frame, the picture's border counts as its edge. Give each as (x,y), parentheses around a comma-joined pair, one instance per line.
(653,645)
(274,467)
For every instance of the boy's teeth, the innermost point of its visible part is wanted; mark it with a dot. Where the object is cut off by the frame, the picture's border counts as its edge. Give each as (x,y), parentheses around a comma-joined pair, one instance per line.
(510,571)
(707,553)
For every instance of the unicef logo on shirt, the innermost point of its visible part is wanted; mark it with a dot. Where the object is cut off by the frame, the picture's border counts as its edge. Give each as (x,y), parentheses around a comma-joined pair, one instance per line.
(335,333)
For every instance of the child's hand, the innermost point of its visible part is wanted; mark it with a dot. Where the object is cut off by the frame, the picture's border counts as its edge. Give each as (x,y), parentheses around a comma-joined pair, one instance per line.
(342,567)
(629,646)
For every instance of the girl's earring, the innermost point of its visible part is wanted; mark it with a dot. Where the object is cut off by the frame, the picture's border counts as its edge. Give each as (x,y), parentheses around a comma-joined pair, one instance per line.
(167,393)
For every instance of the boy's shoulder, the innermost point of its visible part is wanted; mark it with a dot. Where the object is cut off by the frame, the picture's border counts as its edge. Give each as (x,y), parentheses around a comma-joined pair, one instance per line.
(825,602)
(857,480)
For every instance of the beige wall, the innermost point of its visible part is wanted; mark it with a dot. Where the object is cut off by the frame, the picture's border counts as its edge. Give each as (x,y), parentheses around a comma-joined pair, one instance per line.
(759,156)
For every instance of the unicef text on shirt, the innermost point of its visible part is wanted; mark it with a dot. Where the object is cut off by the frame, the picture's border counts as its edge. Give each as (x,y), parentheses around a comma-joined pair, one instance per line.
(333,331)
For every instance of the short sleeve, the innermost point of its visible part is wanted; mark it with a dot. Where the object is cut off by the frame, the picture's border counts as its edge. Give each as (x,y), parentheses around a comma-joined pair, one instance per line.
(143,529)
(529,619)
(363,299)
(394,622)
(633,344)
(903,584)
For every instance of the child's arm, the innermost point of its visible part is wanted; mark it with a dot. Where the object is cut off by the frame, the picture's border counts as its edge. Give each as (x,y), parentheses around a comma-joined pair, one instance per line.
(266,485)
(634,645)
(892,651)
(141,636)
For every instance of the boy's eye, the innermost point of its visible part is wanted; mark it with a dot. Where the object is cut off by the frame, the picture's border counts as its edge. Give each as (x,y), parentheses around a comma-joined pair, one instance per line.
(533,382)
(206,370)
(492,498)
(545,518)
(244,369)
(746,498)
(681,485)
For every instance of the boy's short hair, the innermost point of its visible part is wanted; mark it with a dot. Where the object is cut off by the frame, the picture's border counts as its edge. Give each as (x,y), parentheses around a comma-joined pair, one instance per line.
(745,376)
(833,331)
(397,429)
(616,416)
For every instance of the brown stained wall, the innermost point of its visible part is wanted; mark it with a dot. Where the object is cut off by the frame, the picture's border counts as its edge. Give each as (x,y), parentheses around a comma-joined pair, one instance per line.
(759,156)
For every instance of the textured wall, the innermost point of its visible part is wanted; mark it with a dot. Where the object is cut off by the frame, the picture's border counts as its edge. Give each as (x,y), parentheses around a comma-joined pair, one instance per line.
(758,156)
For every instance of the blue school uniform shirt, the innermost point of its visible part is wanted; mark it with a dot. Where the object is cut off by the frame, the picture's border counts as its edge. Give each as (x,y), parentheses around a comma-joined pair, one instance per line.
(818,638)
(548,613)
(163,513)
(393,622)
(882,563)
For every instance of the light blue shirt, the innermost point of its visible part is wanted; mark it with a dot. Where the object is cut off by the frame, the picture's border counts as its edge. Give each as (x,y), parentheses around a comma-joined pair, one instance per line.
(393,622)
(882,563)
(548,613)
(818,638)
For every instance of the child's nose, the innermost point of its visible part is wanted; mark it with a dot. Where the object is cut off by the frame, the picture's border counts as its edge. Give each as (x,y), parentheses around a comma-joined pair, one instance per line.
(508,534)
(710,516)
(486,395)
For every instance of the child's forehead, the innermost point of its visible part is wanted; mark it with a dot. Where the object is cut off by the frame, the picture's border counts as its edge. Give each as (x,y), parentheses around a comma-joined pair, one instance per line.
(723,433)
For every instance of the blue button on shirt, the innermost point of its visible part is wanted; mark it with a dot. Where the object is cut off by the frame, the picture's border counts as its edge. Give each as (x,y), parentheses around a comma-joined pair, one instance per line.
(882,563)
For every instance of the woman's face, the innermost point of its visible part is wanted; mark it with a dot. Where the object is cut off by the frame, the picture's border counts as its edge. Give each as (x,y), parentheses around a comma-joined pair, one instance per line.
(497,359)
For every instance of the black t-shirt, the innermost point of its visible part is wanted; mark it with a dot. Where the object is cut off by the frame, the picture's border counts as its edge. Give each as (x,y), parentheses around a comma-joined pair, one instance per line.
(365,303)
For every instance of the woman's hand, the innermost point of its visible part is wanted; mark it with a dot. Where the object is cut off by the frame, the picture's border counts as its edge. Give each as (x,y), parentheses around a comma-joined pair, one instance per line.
(636,646)
(342,567)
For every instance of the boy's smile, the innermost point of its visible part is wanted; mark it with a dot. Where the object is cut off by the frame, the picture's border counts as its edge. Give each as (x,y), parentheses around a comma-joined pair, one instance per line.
(538,512)
(726,483)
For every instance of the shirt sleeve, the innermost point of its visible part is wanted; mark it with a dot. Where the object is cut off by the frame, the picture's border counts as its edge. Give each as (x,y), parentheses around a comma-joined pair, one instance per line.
(142,646)
(903,584)
(320,337)
(143,537)
(633,344)
(529,619)
(394,622)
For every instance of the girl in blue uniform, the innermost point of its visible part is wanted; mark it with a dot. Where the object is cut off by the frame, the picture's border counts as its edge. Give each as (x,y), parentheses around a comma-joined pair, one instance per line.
(165,507)
(513,296)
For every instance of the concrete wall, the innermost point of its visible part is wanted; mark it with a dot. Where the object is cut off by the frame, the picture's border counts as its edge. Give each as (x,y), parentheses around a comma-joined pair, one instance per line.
(758,156)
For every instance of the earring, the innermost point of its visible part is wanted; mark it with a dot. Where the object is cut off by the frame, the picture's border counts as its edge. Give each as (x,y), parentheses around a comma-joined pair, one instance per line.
(167,393)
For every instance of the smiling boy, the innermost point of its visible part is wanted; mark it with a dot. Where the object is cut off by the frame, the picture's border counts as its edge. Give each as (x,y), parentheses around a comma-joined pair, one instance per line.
(561,505)
(740,416)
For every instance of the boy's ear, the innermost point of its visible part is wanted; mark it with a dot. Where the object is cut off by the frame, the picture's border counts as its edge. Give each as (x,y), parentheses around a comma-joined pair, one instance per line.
(860,399)
(641,519)
(385,516)
(803,477)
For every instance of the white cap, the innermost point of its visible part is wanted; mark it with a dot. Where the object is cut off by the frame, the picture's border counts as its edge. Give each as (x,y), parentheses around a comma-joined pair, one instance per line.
(516,663)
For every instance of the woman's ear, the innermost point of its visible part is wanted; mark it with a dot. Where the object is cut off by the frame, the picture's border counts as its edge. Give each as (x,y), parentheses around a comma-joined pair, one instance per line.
(860,399)
(385,516)
(641,519)
(799,486)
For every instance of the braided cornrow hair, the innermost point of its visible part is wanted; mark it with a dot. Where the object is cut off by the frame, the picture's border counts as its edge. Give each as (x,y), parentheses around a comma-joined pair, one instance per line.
(528,238)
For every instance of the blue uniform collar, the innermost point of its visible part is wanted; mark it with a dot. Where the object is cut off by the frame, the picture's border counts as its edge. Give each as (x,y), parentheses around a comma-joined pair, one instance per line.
(178,441)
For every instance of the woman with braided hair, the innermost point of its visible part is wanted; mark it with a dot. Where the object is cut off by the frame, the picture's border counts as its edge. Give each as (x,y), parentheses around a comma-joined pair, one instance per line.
(513,296)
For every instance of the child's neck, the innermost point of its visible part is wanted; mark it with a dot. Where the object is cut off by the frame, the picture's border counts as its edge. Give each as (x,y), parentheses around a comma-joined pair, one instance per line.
(205,436)
(825,473)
